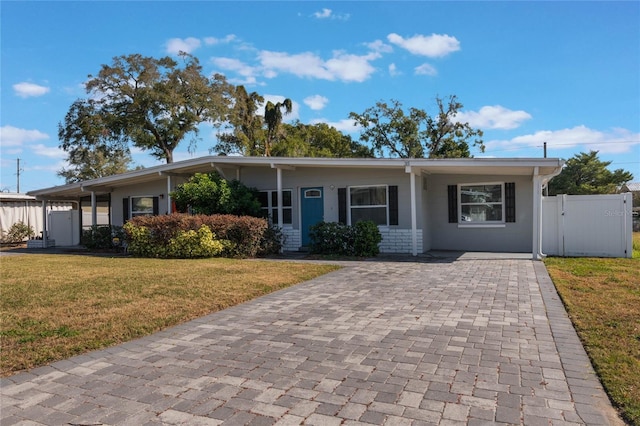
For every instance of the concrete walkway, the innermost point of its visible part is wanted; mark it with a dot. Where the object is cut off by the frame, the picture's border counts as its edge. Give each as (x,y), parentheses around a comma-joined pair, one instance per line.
(449,341)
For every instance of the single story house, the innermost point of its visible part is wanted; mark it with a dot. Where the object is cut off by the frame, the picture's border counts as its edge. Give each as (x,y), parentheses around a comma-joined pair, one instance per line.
(469,204)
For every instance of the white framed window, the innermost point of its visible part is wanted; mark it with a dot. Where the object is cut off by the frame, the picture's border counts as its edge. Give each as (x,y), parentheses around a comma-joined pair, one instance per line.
(141,206)
(269,201)
(369,203)
(481,203)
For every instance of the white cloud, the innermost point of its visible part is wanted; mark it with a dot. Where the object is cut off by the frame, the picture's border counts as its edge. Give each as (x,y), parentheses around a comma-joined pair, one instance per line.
(26,90)
(323,14)
(494,117)
(393,70)
(346,125)
(48,151)
(433,46)
(341,66)
(14,136)
(209,41)
(316,102)
(425,69)
(379,46)
(614,141)
(328,14)
(187,45)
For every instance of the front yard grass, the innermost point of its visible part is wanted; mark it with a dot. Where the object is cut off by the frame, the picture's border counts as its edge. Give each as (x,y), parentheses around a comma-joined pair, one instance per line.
(56,306)
(602,297)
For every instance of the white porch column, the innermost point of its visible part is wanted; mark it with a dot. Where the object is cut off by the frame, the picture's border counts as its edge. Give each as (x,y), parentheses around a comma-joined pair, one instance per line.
(279,188)
(44,224)
(169,195)
(94,209)
(414,213)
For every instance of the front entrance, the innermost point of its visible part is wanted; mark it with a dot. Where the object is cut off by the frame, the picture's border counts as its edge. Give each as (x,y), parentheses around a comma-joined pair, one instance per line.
(312,211)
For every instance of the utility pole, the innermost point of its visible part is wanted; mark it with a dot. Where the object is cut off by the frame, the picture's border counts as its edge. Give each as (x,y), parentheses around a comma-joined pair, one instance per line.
(18,174)
(545,149)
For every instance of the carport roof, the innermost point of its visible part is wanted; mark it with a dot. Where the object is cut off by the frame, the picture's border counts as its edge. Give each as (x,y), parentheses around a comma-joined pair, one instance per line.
(486,166)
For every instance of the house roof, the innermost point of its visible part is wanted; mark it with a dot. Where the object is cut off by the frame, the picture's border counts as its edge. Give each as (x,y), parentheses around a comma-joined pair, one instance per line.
(487,166)
(631,187)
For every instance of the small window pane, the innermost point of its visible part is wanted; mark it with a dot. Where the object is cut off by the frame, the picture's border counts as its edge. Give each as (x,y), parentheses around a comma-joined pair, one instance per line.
(481,194)
(376,214)
(263,198)
(481,212)
(371,196)
(286,198)
(312,193)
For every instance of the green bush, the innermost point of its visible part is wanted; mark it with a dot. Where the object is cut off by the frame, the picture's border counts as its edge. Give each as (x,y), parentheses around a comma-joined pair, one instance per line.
(272,241)
(211,194)
(18,232)
(242,236)
(361,239)
(102,237)
(367,239)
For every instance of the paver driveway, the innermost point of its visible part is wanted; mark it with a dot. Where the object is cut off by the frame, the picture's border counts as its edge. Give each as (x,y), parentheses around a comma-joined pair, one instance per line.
(466,341)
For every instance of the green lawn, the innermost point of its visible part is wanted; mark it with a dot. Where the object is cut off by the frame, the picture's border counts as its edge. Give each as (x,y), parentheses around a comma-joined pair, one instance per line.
(56,306)
(602,297)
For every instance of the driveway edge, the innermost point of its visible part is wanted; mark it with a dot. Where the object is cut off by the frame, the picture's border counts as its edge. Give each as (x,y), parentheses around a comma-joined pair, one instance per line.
(588,395)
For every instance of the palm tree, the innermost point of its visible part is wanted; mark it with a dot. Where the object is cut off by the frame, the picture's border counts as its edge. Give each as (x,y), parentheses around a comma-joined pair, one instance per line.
(273,118)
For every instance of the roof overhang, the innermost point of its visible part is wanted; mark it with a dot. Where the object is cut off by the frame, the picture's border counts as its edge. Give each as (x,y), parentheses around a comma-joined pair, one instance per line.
(464,166)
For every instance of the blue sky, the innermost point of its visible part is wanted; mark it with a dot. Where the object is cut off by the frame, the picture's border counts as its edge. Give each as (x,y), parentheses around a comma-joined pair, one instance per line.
(567,73)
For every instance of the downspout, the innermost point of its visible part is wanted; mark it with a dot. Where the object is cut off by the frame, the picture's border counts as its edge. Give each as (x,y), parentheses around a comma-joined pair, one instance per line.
(539,183)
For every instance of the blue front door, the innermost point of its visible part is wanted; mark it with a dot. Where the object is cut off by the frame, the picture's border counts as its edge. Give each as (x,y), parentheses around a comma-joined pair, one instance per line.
(312,210)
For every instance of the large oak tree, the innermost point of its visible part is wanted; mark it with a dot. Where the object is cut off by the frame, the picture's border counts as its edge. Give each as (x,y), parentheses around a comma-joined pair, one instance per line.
(151,103)
(394,132)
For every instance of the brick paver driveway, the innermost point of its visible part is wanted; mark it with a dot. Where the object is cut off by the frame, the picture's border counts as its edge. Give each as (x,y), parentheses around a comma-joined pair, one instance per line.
(466,341)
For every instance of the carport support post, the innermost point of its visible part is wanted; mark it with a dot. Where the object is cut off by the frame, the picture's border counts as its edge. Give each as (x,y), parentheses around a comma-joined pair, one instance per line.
(44,223)
(414,226)
(279,195)
(94,209)
(169,195)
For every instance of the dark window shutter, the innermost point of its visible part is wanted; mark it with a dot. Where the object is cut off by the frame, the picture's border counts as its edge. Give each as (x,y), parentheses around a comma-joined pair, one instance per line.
(156,206)
(342,205)
(393,205)
(453,203)
(510,201)
(125,209)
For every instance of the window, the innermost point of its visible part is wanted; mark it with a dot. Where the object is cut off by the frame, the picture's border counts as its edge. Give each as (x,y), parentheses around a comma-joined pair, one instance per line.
(269,202)
(369,203)
(481,203)
(142,206)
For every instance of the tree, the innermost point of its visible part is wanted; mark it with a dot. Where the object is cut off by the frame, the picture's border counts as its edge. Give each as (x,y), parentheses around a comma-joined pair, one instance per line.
(585,174)
(93,151)
(273,118)
(415,134)
(318,140)
(154,103)
(247,137)
(209,193)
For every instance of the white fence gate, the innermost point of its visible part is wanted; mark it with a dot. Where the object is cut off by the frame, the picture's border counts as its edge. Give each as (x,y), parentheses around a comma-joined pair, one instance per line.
(587,225)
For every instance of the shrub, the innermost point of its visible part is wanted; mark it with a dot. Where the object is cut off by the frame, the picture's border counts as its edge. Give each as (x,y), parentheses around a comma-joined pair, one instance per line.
(361,239)
(272,241)
(211,194)
(102,237)
(18,232)
(367,238)
(242,236)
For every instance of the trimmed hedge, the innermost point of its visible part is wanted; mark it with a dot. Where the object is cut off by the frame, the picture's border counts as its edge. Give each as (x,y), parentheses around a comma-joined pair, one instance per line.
(241,236)
(362,239)
(102,237)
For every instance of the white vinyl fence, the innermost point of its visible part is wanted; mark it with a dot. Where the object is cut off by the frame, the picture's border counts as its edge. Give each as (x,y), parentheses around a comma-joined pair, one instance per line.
(21,208)
(587,225)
